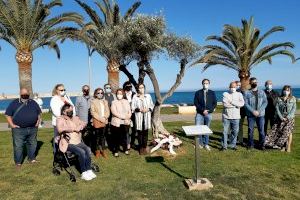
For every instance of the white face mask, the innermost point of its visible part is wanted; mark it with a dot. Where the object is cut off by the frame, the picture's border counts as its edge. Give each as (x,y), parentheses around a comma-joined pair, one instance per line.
(205,86)
(238,87)
(232,90)
(286,93)
(62,93)
(269,87)
(100,96)
(120,96)
(142,91)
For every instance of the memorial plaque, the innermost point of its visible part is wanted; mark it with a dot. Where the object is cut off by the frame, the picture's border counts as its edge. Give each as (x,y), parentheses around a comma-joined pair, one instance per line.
(197,130)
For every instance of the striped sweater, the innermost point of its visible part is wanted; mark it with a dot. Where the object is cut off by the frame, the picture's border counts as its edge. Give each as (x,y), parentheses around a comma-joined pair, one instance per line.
(138,104)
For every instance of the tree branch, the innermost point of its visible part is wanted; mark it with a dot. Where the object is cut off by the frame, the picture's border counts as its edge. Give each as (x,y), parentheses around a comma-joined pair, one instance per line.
(149,70)
(180,75)
(123,68)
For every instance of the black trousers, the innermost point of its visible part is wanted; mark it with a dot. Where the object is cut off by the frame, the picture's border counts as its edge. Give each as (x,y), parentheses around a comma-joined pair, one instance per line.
(99,138)
(269,119)
(133,131)
(142,138)
(119,137)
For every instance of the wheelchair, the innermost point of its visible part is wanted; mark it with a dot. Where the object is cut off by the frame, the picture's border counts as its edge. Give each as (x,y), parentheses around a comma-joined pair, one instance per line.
(64,161)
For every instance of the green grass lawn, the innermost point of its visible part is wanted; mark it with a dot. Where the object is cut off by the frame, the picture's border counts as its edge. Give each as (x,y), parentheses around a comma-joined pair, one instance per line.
(235,175)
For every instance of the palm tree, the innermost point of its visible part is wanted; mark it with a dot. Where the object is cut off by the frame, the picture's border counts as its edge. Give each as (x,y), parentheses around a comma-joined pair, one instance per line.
(26,25)
(111,18)
(241,50)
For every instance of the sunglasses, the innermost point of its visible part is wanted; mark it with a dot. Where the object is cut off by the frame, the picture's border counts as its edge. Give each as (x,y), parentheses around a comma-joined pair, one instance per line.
(100,93)
(63,90)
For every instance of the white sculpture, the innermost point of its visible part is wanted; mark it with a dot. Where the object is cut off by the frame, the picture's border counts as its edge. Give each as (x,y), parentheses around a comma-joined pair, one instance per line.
(166,139)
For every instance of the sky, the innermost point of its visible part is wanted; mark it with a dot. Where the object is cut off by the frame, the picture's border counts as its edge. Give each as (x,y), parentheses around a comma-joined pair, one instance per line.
(194,18)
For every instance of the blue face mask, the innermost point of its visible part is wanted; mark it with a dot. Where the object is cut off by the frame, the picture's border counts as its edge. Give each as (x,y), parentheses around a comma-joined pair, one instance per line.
(108,90)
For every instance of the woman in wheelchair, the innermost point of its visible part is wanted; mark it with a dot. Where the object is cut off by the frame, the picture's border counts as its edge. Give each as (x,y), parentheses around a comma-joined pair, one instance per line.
(70,128)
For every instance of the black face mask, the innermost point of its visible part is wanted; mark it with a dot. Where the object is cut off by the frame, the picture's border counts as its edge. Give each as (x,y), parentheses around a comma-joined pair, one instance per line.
(128,88)
(86,92)
(253,85)
(70,114)
(25,96)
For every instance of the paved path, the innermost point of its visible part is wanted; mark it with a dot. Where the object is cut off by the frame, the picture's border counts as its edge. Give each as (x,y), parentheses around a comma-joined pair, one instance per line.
(165,118)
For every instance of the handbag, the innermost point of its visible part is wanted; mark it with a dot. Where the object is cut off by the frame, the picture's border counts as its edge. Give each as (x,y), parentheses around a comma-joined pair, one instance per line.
(98,124)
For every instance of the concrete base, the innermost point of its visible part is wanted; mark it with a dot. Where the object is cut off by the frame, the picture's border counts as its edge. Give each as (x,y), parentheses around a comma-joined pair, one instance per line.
(202,184)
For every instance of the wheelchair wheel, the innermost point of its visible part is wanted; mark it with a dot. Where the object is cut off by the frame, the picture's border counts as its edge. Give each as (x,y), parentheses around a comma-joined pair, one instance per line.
(95,167)
(72,178)
(55,171)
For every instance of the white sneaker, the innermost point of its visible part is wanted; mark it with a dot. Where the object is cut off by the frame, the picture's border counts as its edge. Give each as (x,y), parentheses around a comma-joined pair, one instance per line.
(207,147)
(85,176)
(91,173)
(200,146)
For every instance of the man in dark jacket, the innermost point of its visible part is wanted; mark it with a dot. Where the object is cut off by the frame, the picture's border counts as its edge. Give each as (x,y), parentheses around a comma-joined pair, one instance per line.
(205,101)
(270,109)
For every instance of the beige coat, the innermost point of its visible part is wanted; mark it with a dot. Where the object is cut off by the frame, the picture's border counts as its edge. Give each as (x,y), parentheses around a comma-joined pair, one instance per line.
(72,127)
(121,112)
(100,110)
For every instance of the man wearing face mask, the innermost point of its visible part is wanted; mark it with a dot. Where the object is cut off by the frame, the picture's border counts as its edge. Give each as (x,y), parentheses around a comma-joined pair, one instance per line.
(82,106)
(232,102)
(23,116)
(127,87)
(205,101)
(270,109)
(255,103)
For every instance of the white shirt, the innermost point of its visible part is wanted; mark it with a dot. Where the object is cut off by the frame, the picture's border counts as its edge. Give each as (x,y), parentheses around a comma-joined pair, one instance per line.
(232,103)
(56,104)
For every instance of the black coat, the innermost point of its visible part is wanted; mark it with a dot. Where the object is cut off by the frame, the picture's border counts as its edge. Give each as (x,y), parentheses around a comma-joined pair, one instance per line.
(211,101)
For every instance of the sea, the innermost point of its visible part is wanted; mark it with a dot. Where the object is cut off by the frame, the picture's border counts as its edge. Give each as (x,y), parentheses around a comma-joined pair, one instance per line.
(178,98)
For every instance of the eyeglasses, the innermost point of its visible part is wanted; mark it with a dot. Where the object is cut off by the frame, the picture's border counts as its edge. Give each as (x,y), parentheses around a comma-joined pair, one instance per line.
(63,90)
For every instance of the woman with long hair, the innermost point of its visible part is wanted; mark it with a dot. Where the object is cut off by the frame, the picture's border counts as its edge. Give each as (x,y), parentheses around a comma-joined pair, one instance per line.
(281,134)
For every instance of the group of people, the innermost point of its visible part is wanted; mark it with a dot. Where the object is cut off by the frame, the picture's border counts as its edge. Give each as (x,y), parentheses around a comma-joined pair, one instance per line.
(113,120)
(108,119)
(261,107)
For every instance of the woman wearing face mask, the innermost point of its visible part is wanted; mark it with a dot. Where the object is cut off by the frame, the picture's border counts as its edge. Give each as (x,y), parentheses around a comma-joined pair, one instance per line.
(120,122)
(142,107)
(71,140)
(59,98)
(281,133)
(100,113)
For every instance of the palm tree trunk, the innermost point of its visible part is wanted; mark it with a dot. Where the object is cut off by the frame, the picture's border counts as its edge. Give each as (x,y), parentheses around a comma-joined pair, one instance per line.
(113,74)
(24,60)
(244,78)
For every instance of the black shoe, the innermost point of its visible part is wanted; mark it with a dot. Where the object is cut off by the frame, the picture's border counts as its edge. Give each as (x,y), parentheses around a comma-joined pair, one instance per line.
(250,148)
(223,149)
(55,171)
(234,148)
(263,148)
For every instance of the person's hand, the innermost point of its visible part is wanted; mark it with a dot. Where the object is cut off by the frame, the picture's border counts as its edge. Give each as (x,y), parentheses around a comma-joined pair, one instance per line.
(144,110)
(284,119)
(15,126)
(205,112)
(256,113)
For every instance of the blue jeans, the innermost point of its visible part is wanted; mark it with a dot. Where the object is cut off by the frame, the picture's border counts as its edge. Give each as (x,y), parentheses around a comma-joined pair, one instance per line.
(233,126)
(203,120)
(23,136)
(84,155)
(260,122)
